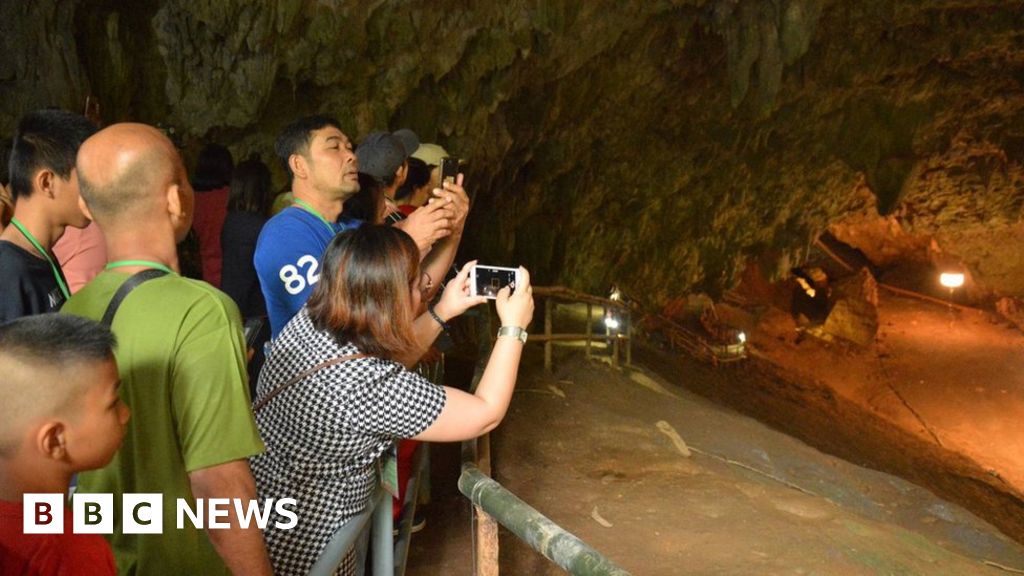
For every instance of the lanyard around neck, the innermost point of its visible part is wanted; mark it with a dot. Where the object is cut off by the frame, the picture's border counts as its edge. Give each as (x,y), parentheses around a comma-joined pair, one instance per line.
(146,263)
(305,206)
(53,265)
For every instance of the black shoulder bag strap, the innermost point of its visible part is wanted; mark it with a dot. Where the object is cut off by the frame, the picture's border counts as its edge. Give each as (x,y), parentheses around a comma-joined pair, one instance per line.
(129,285)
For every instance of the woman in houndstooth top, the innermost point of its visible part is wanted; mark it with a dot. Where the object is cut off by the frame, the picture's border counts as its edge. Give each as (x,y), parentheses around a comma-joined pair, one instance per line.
(325,434)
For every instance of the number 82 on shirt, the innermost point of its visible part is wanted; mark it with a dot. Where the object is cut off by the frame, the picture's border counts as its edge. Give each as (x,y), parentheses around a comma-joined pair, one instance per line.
(296,277)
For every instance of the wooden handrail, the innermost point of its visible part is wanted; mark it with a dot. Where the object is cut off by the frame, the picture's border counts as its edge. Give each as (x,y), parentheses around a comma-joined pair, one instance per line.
(567,336)
(569,294)
(552,293)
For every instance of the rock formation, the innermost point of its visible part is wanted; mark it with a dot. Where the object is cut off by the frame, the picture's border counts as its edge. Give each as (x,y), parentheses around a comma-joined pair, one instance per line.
(854,314)
(657,145)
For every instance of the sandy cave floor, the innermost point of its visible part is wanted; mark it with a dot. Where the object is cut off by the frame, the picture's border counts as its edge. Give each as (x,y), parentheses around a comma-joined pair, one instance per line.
(937,396)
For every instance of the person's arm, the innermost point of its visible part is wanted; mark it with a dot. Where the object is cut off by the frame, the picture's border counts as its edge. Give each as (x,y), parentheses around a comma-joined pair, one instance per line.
(241,549)
(287,263)
(213,420)
(428,224)
(426,330)
(439,260)
(467,415)
(454,301)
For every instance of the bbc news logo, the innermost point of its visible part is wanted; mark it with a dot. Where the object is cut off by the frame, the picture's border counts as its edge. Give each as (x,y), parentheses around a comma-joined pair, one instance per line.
(144,513)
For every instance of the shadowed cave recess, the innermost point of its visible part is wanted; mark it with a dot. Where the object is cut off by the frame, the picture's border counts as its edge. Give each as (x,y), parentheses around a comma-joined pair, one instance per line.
(669,148)
(660,146)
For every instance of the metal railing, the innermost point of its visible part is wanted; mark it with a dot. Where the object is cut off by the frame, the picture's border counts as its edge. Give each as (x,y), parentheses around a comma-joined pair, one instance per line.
(376,522)
(389,552)
(493,504)
(689,341)
(678,336)
(554,542)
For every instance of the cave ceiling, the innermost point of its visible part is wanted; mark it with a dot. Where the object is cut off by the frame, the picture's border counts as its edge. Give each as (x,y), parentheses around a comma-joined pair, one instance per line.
(658,145)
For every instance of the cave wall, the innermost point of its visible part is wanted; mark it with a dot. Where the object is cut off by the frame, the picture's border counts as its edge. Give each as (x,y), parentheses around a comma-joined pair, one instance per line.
(658,145)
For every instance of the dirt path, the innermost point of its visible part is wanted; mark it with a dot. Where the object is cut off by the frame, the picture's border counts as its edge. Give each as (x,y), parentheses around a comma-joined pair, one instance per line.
(938,400)
(964,376)
(747,500)
(602,454)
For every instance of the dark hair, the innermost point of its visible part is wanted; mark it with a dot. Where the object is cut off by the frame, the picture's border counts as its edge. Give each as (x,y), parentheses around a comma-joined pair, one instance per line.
(365,290)
(56,338)
(250,188)
(5,161)
(295,138)
(45,139)
(213,169)
(366,204)
(417,177)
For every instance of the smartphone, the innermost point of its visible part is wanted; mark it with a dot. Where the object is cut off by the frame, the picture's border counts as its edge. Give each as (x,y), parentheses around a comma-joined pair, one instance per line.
(487,280)
(449,170)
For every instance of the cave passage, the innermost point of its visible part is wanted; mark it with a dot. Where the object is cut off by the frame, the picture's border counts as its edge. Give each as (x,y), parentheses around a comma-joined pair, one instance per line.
(829,193)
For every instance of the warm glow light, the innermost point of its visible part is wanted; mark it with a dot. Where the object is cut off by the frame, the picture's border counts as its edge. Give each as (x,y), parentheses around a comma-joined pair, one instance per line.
(808,289)
(742,336)
(951,279)
(611,322)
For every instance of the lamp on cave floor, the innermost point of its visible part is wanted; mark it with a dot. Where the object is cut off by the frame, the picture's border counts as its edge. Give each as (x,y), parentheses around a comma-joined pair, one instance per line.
(951,280)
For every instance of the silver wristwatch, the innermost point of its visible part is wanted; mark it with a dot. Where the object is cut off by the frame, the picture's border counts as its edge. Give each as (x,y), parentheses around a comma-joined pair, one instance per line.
(513,332)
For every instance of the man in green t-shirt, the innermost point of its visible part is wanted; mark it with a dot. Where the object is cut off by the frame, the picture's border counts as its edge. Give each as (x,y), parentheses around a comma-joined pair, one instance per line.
(181,362)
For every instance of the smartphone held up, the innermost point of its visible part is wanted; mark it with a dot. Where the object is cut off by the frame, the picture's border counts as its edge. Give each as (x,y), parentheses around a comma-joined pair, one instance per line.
(486,281)
(449,170)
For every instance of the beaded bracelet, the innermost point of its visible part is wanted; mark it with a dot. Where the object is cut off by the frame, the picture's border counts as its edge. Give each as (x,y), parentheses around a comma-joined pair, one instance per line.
(433,314)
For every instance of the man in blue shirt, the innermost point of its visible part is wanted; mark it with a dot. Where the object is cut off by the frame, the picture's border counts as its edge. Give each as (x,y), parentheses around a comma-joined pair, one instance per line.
(319,158)
(322,164)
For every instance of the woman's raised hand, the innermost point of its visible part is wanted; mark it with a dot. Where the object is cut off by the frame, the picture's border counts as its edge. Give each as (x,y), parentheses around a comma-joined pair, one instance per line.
(456,299)
(515,308)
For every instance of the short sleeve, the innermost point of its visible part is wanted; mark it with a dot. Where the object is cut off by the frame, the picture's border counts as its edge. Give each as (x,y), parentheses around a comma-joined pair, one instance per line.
(13,303)
(287,262)
(209,393)
(396,402)
(26,289)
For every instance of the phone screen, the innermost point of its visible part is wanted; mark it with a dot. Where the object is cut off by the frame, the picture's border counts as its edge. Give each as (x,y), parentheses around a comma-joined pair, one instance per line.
(449,170)
(489,280)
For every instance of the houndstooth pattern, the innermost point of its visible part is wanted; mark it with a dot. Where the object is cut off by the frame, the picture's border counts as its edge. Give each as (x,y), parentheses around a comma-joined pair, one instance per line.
(325,434)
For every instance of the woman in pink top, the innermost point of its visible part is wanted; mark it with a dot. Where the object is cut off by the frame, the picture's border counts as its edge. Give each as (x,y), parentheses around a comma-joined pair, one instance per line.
(82,253)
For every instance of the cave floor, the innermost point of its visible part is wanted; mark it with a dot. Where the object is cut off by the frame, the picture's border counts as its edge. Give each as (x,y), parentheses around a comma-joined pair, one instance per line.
(938,399)
(599,451)
(954,378)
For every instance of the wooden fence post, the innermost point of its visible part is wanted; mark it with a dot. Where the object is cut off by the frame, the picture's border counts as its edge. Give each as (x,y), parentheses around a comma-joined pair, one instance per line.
(629,339)
(486,553)
(590,325)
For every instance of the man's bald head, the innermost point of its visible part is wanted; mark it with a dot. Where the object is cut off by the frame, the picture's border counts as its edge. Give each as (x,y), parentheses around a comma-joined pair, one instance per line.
(124,172)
